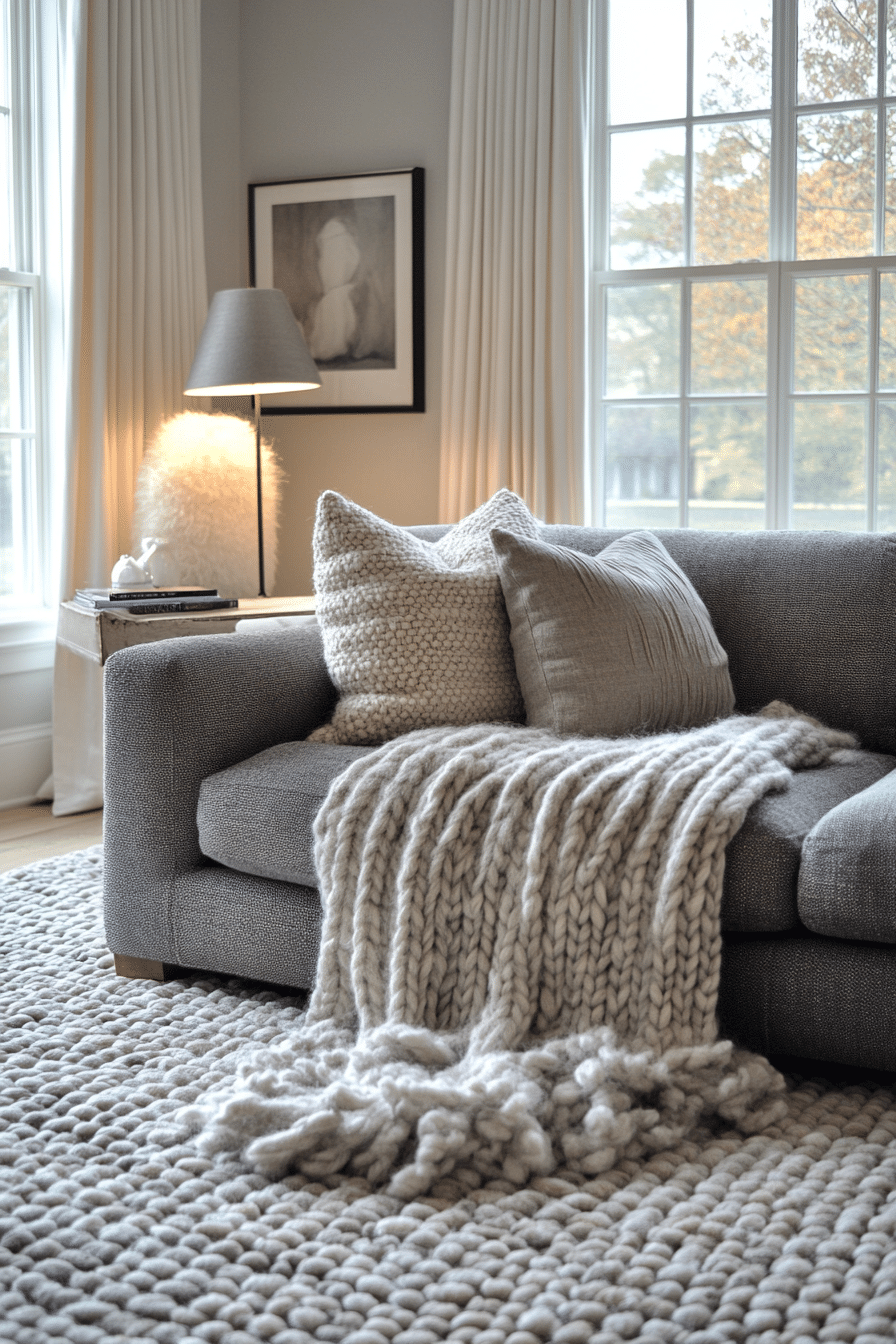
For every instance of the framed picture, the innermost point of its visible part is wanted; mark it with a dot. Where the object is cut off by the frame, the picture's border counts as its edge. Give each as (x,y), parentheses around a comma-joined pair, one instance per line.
(348,254)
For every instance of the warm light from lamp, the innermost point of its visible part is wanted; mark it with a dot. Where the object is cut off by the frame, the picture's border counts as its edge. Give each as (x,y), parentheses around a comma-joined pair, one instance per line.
(251,344)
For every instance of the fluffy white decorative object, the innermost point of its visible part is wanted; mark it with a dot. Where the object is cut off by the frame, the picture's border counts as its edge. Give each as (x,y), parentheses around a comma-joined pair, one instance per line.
(519,963)
(196,491)
(415,633)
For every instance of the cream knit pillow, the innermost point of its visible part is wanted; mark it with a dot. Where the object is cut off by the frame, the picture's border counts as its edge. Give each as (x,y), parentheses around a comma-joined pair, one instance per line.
(415,633)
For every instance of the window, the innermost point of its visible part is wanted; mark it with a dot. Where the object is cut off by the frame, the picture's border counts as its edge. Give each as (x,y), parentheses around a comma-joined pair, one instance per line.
(746,276)
(19,570)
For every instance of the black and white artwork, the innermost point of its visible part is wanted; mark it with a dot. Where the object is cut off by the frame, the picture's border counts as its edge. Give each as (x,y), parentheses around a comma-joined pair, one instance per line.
(335,262)
(347,253)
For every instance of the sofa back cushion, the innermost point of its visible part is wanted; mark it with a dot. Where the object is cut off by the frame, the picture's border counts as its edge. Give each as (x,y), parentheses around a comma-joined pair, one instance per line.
(805,617)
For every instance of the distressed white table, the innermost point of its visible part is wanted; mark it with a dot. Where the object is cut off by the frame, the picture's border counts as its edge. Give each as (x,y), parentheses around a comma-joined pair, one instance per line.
(84,640)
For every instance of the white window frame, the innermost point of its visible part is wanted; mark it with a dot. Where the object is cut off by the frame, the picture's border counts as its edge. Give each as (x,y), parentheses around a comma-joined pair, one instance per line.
(27,616)
(781,271)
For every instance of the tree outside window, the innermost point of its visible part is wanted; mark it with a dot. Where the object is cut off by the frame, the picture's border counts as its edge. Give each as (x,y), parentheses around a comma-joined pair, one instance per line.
(748,296)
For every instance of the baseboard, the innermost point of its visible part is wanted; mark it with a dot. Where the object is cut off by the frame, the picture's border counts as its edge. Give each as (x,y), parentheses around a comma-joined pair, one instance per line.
(26,758)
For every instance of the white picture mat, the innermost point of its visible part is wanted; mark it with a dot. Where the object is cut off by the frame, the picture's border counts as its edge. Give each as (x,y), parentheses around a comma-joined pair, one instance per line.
(349,387)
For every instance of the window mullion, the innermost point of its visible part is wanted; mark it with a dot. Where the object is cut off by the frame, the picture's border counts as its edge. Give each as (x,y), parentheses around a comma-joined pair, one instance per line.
(684,463)
(601,193)
(880,147)
(21,43)
(782,185)
(782,244)
(873,384)
(782,371)
(689,215)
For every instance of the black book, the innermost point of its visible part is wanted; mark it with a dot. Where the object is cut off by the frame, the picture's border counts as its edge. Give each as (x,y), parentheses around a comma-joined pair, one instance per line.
(153,605)
(177,604)
(111,597)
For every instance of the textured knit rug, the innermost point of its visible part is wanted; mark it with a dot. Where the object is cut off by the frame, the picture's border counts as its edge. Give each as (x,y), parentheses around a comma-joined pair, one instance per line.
(114,1228)
(520,957)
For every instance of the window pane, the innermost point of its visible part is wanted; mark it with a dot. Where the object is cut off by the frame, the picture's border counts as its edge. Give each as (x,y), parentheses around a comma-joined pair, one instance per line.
(831,334)
(727,466)
(648,60)
(731,192)
(829,450)
(17,512)
(728,335)
(643,340)
(5,197)
(647,198)
(642,466)
(732,55)
(886,371)
(16,409)
(891,47)
(835,185)
(886,466)
(5,212)
(889,243)
(837,50)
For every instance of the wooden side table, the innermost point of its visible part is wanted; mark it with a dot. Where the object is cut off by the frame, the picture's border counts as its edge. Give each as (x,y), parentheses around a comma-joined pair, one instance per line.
(84,640)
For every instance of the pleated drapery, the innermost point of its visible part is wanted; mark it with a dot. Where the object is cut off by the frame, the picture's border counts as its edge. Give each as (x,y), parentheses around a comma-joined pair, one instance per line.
(135,301)
(514,389)
(140,296)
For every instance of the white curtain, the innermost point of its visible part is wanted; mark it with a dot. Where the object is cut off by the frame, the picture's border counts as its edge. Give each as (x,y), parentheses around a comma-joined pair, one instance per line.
(131,288)
(138,298)
(514,389)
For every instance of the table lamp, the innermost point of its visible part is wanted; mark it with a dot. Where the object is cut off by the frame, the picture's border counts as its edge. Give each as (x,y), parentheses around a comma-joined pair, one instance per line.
(251,344)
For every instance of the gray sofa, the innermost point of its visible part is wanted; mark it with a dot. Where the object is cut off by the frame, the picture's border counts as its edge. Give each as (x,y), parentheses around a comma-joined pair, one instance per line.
(211,793)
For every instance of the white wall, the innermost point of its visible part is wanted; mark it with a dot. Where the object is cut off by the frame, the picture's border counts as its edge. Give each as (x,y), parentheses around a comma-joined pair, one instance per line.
(331,87)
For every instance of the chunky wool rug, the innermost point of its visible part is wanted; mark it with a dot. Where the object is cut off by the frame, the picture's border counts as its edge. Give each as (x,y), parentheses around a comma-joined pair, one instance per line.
(114,1228)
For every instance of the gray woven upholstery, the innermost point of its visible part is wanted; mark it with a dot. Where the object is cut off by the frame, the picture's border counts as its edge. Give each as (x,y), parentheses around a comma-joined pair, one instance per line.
(807,618)
(817,998)
(246,926)
(762,862)
(176,712)
(847,883)
(258,816)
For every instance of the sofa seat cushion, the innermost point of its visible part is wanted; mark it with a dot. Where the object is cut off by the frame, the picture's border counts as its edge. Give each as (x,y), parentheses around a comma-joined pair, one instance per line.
(762,862)
(258,816)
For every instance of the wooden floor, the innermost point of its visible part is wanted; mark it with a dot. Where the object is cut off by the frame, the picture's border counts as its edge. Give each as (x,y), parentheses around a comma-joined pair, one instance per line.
(31,833)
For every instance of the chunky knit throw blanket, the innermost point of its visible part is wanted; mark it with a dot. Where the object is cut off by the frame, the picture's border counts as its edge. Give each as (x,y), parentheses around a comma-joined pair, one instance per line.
(520,957)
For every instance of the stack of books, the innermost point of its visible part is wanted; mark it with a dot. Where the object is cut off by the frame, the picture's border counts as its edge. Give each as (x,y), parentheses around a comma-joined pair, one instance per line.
(147,601)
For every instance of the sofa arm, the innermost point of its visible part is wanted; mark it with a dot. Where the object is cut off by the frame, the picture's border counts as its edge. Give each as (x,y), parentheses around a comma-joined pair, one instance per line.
(847,878)
(175,712)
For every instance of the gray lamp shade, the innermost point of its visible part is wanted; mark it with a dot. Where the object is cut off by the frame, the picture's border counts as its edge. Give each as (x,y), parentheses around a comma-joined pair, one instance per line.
(250,344)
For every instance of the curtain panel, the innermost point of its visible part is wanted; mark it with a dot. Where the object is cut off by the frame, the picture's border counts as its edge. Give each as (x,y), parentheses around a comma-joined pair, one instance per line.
(138,298)
(514,390)
(131,289)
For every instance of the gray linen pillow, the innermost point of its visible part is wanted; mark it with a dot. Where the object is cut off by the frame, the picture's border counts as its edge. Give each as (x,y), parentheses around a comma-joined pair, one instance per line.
(610,644)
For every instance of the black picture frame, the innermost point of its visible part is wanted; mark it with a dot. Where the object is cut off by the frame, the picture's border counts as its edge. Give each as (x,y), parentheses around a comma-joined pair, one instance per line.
(348,254)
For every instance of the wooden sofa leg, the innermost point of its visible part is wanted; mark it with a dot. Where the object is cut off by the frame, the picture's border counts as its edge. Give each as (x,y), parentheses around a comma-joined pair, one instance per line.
(139,968)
